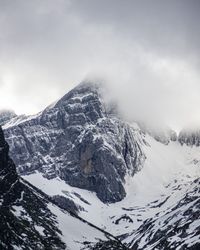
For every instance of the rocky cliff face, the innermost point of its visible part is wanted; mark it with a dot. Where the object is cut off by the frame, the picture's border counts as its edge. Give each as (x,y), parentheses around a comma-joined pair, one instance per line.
(26,221)
(80,140)
(32,220)
(84,142)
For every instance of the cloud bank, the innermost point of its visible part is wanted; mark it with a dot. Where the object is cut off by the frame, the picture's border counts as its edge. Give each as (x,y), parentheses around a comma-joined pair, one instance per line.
(148,52)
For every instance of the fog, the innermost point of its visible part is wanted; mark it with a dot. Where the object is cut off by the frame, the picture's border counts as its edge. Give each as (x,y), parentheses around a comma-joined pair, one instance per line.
(147,52)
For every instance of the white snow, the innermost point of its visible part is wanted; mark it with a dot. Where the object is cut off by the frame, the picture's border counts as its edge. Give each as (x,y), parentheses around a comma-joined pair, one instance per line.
(18,210)
(166,167)
(74,231)
(40,230)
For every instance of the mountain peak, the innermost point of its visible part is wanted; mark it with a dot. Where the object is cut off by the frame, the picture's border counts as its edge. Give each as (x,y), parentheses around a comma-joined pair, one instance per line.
(80,141)
(82,89)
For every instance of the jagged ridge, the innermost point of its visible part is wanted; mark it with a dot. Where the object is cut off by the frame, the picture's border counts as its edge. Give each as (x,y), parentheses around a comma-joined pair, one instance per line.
(79,140)
(22,212)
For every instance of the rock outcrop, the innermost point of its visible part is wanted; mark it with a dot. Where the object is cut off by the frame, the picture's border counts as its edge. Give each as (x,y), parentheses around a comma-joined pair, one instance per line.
(26,221)
(80,140)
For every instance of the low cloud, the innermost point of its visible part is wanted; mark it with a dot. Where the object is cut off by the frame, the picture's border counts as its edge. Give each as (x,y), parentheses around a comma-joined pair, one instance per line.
(148,53)
(160,91)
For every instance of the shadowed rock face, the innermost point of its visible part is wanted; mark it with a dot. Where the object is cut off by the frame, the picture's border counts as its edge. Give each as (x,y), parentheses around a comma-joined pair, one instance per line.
(7,167)
(26,222)
(80,140)
(22,211)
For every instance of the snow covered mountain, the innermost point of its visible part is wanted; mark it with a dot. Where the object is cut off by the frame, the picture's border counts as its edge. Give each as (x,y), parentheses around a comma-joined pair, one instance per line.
(161,207)
(175,227)
(138,184)
(79,140)
(31,220)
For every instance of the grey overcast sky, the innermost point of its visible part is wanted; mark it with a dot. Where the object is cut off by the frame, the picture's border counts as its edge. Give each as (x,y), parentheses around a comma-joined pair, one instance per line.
(147,50)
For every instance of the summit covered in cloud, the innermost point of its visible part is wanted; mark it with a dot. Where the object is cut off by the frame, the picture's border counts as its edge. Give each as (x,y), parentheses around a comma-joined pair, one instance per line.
(147,51)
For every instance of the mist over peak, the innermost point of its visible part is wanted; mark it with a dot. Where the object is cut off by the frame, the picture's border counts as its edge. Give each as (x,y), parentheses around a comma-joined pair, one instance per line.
(147,53)
(148,97)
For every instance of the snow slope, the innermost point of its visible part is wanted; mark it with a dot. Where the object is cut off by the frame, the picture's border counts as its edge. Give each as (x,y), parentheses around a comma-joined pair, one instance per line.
(30,219)
(124,178)
(164,180)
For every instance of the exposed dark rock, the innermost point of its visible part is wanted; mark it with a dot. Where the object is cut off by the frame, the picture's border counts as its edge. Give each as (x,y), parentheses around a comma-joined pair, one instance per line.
(80,140)
(122,218)
(106,245)
(67,204)
(22,212)
(81,198)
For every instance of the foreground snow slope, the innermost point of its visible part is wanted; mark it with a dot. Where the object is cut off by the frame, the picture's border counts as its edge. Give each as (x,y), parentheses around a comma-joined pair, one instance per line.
(125,178)
(175,227)
(165,179)
(30,220)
